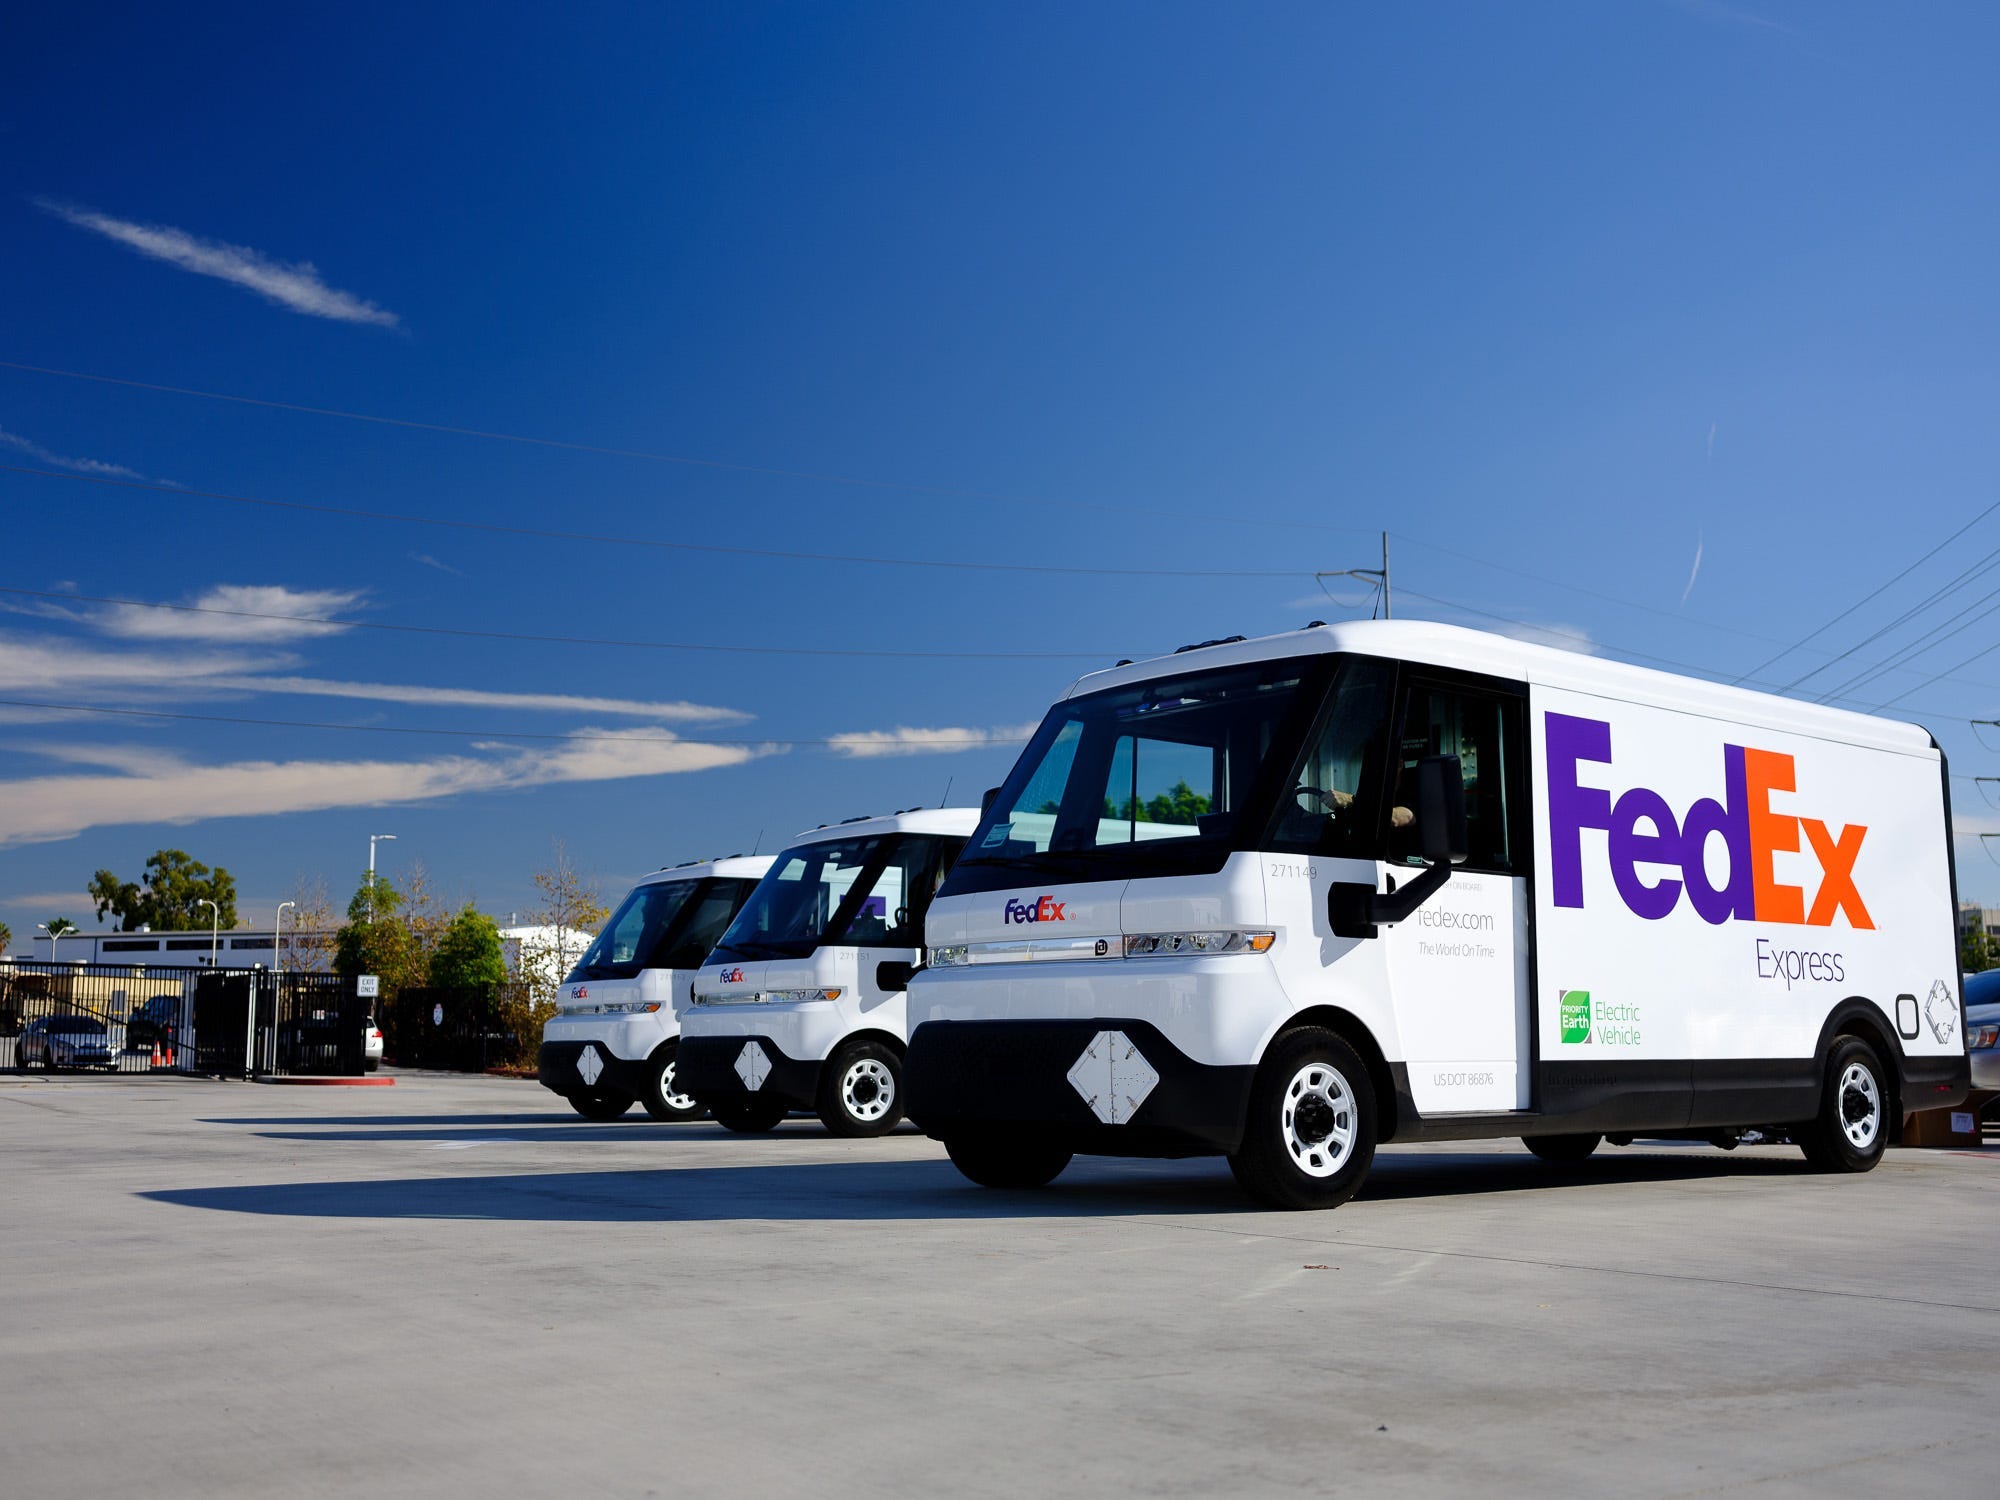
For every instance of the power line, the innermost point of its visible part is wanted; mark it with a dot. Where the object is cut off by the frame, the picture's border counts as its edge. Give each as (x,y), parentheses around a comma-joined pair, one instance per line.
(561,640)
(969,741)
(598,539)
(1873,594)
(985,497)
(1984,564)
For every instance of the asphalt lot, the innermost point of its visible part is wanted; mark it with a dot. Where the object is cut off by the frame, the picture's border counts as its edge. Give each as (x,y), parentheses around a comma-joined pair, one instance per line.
(454,1287)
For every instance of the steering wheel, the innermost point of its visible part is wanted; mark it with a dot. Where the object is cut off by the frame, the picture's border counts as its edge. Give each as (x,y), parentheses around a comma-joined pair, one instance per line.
(902,916)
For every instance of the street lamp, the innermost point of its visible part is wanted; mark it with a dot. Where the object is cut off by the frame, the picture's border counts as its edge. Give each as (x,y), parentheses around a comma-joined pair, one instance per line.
(278,936)
(215,929)
(373,840)
(55,930)
(278,975)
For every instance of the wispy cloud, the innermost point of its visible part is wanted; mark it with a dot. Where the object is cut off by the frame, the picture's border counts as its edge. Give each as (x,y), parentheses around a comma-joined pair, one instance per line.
(874,743)
(76,672)
(233,612)
(1694,572)
(431,562)
(42,455)
(452,697)
(155,788)
(294,285)
(1553,633)
(1733,15)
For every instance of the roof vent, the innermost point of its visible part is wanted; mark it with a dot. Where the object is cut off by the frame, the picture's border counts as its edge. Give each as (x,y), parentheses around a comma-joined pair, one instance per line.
(1221,640)
(863,818)
(1312,624)
(1123,661)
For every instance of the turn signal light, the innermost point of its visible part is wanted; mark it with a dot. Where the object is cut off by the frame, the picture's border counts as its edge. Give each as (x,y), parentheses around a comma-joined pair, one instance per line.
(1182,944)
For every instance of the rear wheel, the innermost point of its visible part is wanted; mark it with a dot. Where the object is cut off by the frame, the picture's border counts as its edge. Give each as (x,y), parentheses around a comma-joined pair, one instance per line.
(861,1090)
(1311,1134)
(663,1100)
(601,1104)
(1562,1150)
(1852,1126)
(749,1116)
(1007,1162)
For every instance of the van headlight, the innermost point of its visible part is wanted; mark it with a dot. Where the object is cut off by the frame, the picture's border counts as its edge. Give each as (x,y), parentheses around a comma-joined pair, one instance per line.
(951,956)
(1180,944)
(797,997)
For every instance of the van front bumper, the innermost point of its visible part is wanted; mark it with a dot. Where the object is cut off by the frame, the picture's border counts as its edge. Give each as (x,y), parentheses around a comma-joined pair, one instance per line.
(1012,1078)
(559,1066)
(708,1068)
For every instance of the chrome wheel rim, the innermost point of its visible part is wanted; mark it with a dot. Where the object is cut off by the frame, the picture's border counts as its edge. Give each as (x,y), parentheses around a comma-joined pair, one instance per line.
(867,1090)
(1860,1104)
(1318,1120)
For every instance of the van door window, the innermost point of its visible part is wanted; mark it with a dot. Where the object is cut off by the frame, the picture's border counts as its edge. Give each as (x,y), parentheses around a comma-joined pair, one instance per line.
(1158,789)
(1334,805)
(1484,731)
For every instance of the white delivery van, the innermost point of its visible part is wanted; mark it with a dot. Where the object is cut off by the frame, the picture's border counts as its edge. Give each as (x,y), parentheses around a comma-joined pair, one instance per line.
(1285,899)
(801,1005)
(616,1030)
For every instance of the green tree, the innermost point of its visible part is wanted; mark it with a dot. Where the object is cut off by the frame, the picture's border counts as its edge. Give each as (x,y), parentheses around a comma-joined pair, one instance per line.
(378,940)
(6,937)
(1975,949)
(468,955)
(170,897)
(60,927)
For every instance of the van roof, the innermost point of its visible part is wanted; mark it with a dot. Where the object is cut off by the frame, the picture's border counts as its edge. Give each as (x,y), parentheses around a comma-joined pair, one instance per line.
(731,867)
(958,820)
(1432,644)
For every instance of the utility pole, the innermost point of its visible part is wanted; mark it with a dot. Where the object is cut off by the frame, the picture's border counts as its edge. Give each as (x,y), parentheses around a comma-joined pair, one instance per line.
(373,840)
(1377,576)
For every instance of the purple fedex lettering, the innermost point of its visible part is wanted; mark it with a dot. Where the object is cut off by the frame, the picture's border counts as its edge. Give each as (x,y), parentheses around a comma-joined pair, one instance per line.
(1680,845)
(1573,807)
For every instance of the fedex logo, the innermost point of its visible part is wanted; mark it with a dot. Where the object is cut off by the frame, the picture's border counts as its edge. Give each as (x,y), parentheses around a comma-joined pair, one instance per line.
(1047,909)
(1751,829)
(579,992)
(732,976)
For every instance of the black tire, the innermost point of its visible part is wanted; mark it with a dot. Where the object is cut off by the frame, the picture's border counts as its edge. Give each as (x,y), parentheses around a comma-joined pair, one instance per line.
(1562,1150)
(601,1104)
(662,1100)
(750,1116)
(1856,1107)
(370,1064)
(999,1161)
(861,1090)
(1310,1138)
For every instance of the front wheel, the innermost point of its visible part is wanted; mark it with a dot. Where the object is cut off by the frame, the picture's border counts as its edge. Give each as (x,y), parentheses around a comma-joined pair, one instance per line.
(663,1100)
(1004,1162)
(1311,1134)
(601,1104)
(750,1116)
(1852,1126)
(861,1090)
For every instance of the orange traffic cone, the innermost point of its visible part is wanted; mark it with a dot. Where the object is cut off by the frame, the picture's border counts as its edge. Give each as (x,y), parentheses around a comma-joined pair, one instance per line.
(156,1052)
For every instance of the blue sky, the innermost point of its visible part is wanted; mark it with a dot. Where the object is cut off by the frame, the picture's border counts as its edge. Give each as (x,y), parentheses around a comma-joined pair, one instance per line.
(1558,294)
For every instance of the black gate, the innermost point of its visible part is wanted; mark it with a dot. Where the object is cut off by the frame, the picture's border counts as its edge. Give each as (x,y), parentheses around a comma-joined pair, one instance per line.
(129,1018)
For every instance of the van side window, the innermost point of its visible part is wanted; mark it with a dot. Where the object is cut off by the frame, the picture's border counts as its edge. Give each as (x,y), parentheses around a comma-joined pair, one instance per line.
(1334,804)
(892,913)
(1484,731)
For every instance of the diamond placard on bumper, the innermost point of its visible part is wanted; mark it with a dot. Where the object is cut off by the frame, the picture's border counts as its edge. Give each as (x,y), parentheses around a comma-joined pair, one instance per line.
(1113,1077)
(589,1065)
(753,1066)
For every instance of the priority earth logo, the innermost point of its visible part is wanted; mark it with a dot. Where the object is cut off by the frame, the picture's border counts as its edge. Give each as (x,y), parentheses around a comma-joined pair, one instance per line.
(1575,1006)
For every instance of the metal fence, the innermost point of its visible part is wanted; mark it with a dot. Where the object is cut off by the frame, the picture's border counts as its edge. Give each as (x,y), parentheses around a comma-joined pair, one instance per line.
(465,1031)
(125,1018)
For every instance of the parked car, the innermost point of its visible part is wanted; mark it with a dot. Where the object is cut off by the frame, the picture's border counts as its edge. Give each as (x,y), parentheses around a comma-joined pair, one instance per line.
(1982,1027)
(65,1042)
(371,1046)
(154,1020)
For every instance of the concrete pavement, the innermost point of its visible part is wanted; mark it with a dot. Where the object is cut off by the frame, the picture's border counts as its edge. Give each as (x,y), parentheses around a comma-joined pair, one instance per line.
(455,1287)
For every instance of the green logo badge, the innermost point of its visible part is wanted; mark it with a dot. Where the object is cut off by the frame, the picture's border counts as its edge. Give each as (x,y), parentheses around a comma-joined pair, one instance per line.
(1575,1015)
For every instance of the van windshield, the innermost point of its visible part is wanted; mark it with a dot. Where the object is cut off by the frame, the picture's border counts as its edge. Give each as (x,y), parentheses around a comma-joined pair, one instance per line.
(1163,777)
(869,892)
(637,931)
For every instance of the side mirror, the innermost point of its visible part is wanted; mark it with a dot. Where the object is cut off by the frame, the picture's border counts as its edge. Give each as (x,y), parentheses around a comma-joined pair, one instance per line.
(1441,809)
(987,799)
(893,974)
(1358,911)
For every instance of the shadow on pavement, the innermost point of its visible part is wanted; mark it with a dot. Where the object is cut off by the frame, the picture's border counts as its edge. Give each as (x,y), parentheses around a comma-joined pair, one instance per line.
(861,1190)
